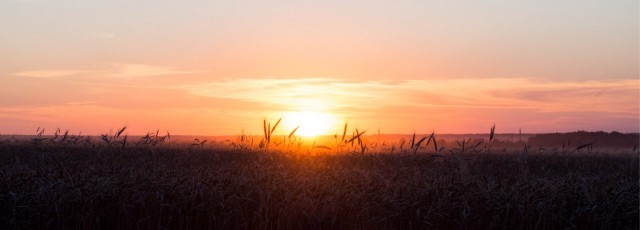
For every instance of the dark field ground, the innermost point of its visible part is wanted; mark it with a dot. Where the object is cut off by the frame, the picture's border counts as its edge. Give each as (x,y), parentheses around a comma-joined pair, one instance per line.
(61,186)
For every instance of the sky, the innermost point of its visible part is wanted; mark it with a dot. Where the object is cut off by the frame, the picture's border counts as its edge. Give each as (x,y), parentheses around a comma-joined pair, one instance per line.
(222,67)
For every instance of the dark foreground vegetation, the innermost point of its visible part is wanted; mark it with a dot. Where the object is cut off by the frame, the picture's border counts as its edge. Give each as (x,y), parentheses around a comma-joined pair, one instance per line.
(57,186)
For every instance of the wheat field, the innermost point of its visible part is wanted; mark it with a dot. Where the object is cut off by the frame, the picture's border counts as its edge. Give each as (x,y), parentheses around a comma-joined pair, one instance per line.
(279,182)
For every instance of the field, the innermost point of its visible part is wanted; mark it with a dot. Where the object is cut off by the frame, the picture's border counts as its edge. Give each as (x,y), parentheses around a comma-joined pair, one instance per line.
(65,182)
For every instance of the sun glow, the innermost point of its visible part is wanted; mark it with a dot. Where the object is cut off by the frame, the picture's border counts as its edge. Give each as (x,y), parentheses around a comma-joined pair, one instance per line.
(311,123)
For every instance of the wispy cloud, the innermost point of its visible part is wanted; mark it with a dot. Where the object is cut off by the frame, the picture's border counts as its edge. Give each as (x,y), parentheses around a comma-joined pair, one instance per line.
(137,71)
(125,71)
(50,73)
(616,96)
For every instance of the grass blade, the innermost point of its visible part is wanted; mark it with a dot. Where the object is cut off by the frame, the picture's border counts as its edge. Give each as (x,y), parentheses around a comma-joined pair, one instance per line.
(322,147)
(413,140)
(276,125)
(415,149)
(293,132)
(344,133)
(356,136)
(493,129)
(120,131)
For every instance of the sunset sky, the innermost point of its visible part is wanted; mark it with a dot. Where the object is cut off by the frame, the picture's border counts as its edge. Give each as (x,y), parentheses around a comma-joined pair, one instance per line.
(216,68)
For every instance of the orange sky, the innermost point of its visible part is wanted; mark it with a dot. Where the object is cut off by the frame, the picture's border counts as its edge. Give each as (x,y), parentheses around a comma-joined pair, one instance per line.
(217,68)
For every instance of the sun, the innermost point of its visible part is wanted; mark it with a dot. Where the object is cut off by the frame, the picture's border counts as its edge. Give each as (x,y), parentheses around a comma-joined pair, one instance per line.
(311,123)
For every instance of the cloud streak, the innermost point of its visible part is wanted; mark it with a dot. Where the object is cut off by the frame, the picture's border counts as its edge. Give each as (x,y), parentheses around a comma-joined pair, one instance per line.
(122,71)
(51,73)
(616,96)
(137,71)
